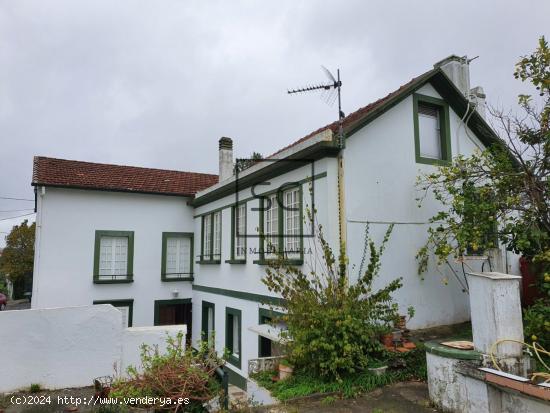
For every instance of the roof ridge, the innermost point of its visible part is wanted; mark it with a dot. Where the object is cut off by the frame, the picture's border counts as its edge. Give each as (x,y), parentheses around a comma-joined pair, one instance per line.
(37,157)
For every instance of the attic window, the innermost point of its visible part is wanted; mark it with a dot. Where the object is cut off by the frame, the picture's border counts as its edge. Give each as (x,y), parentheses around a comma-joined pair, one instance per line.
(431,129)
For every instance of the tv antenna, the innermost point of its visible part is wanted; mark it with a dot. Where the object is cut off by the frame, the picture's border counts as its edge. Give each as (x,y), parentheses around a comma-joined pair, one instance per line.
(335,85)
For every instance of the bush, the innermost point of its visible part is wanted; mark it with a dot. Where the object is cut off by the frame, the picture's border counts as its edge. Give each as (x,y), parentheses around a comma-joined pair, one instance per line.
(536,321)
(179,373)
(334,326)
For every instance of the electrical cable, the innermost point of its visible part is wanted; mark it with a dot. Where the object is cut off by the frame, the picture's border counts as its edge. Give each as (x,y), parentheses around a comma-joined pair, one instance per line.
(16,199)
(17,216)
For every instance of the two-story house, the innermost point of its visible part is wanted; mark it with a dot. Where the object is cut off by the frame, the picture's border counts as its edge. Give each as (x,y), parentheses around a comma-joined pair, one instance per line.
(172,247)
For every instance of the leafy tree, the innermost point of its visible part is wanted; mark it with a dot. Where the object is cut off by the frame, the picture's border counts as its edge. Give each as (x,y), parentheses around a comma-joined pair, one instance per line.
(17,259)
(243,164)
(334,327)
(503,192)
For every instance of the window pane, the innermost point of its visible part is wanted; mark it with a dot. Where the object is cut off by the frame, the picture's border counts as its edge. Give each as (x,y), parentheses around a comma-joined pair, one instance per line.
(217,235)
(125,315)
(113,257)
(206,236)
(271,226)
(236,337)
(178,256)
(240,232)
(291,214)
(429,132)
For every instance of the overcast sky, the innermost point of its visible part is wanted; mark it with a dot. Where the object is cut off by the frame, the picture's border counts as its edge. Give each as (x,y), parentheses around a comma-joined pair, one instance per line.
(157,83)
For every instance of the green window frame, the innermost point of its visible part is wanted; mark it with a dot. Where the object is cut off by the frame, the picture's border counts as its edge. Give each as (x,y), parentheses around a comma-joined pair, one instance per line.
(120,278)
(230,314)
(234,234)
(266,316)
(209,243)
(444,129)
(206,307)
(281,236)
(183,276)
(129,302)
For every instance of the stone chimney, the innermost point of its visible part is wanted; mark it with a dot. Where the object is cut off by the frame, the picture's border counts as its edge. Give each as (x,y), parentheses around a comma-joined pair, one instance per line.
(226,158)
(458,70)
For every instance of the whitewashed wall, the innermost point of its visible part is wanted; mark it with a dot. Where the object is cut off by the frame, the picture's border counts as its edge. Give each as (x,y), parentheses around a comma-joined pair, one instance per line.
(380,176)
(64,259)
(70,346)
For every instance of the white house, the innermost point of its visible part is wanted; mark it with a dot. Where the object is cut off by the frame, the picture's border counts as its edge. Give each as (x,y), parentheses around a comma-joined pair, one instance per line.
(171,247)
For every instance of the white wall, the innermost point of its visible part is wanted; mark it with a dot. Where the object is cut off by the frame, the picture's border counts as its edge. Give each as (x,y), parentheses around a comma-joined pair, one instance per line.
(380,176)
(64,258)
(69,347)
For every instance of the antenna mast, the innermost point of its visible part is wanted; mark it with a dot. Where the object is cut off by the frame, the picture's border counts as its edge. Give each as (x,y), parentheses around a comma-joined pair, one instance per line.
(335,85)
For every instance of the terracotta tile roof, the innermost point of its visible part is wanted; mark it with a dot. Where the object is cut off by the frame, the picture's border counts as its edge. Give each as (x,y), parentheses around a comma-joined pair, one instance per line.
(88,175)
(355,117)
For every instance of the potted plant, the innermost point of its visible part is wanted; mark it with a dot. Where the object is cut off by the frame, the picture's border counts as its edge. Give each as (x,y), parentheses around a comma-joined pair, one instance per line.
(387,337)
(285,369)
(377,367)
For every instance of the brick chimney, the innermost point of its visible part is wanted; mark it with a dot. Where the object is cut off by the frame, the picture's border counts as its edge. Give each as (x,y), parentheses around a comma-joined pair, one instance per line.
(226,158)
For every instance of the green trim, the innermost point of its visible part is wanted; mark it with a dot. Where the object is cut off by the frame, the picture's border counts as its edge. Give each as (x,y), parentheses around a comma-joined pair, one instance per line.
(444,130)
(234,260)
(258,196)
(129,265)
(269,313)
(295,261)
(236,361)
(236,379)
(158,303)
(210,259)
(448,352)
(241,295)
(121,303)
(206,305)
(316,151)
(182,276)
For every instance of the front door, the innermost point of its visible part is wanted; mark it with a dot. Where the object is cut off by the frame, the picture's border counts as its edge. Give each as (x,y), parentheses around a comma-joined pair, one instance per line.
(170,312)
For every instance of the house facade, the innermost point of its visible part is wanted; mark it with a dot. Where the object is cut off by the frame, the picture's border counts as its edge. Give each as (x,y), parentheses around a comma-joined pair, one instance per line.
(169,247)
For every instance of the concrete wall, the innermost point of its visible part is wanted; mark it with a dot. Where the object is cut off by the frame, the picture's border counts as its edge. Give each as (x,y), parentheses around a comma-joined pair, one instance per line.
(69,347)
(64,258)
(380,176)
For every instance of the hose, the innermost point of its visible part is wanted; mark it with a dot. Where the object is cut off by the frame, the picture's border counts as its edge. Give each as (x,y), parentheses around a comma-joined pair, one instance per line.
(545,376)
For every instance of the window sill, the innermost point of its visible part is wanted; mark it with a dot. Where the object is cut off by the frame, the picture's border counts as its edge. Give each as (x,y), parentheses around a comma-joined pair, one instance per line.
(431,161)
(163,278)
(126,281)
(208,262)
(235,261)
(236,362)
(295,261)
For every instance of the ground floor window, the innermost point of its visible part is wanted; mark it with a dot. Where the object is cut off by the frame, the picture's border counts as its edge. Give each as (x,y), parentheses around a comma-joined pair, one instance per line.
(126,307)
(267,347)
(233,335)
(208,322)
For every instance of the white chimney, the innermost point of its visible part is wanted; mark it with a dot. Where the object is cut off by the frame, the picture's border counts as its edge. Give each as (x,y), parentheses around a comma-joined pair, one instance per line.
(458,70)
(226,158)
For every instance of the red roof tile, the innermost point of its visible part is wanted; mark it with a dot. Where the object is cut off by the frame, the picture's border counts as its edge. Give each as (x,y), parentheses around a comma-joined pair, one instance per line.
(88,175)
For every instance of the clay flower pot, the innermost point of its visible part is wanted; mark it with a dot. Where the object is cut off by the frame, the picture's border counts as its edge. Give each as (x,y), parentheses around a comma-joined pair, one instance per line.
(387,339)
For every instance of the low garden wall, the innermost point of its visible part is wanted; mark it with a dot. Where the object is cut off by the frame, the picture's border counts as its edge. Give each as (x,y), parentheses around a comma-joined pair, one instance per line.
(69,346)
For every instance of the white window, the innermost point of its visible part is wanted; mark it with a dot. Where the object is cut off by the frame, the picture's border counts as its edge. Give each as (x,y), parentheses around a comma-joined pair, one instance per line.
(125,310)
(271,225)
(291,219)
(429,133)
(239,232)
(217,217)
(178,256)
(207,237)
(124,306)
(233,335)
(113,258)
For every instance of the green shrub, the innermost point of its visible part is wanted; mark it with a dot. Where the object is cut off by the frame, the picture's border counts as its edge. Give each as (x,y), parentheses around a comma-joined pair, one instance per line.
(35,388)
(334,325)
(536,320)
(178,373)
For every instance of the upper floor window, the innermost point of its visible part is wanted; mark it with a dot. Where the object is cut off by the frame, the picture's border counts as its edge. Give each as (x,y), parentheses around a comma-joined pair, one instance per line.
(282,225)
(238,233)
(431,129)
(177,255)
(211,241)
(113,256)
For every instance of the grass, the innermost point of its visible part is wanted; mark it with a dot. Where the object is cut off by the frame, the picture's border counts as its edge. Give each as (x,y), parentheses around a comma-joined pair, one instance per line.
(408,366)
(35,388)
